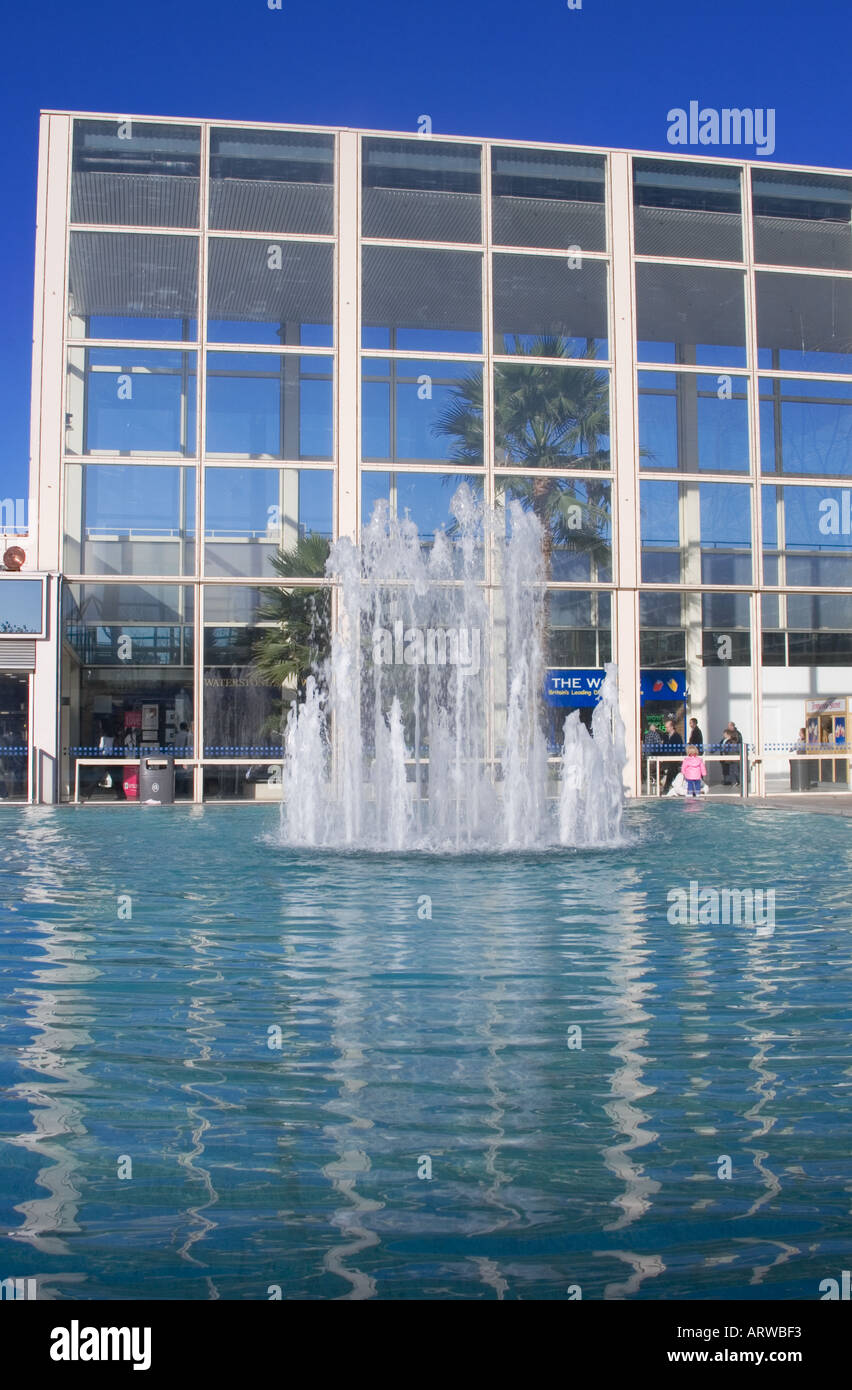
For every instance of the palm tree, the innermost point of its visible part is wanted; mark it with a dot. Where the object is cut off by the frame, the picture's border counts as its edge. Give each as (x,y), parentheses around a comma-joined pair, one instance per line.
(545,416)
(294,648)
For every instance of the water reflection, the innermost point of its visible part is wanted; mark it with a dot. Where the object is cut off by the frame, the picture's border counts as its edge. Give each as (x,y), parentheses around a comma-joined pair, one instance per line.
(57,1011)
(627,970)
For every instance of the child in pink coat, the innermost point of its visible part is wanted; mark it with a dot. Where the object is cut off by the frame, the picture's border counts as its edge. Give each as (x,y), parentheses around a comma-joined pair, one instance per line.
(693,770)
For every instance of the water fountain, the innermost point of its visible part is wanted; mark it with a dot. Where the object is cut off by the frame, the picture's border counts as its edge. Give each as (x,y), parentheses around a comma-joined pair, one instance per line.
(422,729)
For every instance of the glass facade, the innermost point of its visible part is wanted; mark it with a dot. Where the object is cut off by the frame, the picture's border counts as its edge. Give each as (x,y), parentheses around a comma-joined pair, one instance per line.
(269,331)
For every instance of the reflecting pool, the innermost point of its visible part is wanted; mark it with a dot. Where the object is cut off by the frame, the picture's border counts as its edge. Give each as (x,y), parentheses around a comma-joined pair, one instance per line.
(239,1070)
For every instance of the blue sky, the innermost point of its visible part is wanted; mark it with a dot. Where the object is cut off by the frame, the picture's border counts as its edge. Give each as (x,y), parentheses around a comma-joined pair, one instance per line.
(605,74)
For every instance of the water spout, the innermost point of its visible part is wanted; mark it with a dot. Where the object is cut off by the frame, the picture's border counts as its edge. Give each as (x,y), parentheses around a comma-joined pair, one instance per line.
(423,729)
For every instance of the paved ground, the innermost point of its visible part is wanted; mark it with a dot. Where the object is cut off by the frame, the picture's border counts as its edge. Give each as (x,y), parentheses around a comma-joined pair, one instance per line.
(836,804)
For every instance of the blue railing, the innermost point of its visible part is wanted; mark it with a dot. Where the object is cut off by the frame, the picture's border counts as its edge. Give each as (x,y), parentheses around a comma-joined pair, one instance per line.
(664,749)
(795,746)
(146,749)
(243,750)
(225,750)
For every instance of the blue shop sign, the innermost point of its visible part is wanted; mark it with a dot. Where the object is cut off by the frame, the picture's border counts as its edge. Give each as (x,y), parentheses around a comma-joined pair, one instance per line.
(662,685)
(574,688)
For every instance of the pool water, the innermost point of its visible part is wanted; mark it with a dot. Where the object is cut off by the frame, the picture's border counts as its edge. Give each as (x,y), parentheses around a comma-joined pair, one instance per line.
(236,1071)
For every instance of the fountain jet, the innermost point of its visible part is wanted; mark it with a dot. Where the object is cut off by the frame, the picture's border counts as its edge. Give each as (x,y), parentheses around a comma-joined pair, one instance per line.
(423,728)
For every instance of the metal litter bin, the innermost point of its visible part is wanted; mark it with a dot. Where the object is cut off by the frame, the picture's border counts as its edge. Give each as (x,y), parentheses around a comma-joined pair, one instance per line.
(802,774)
(157,779)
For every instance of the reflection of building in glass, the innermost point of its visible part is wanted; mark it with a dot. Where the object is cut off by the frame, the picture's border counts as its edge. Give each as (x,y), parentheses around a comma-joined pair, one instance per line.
(246,336)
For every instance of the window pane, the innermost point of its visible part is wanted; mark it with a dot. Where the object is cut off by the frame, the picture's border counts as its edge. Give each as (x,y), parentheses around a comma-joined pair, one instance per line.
(802,218)
(426,499)
(21,606)
(132,286)
(695,665)
(803,322)
(807,612)
(252,513)
(726,630)
(579,626)
(130,401)
(660,531)
(550,417)
(259,644)
(129,519)
(128,676)
(804,711)
(716,627)
(579,639)
(548,198)
(725,517)
(269,292)
(686,314)
(695,533)
(549,307)
(265,406)
(135,173)
(232,603)
(693,423)
(806,427)
(421,190)
(807,536)
(271,181)
(419,412)
(425,300)
(687,210)
(576,520)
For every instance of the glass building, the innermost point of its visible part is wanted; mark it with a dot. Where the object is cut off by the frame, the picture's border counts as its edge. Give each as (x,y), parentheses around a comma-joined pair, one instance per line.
(247,334)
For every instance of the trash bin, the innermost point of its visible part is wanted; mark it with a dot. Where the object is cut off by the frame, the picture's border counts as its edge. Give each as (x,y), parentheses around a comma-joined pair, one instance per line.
(802,774)
(157,779)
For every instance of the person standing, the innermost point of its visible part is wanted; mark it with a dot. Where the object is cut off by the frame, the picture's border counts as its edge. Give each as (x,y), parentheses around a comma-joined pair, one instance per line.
(182,742)
(695,735)
(732,740)
(694,770)
(106,746)
(182,748)
(674,742)
(651,741)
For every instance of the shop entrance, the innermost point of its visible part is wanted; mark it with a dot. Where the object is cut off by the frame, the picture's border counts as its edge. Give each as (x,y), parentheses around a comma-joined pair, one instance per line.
(662,696)
(14,735)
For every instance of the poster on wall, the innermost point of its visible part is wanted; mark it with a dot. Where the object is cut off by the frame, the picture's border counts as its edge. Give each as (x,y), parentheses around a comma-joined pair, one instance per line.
(573,688)
(150,719)
(663,686)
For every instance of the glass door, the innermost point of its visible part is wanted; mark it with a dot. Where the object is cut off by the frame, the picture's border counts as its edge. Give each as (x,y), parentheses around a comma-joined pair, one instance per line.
(14,736)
